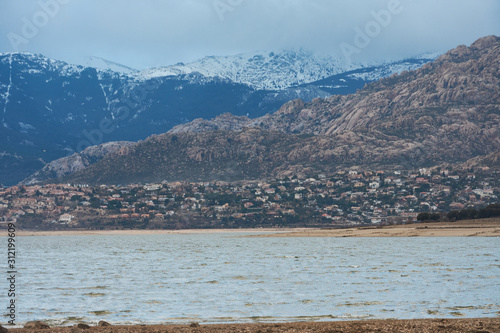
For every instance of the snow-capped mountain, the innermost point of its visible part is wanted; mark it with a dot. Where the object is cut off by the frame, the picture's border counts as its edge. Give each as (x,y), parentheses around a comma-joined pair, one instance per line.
(261,70)
(50,109)
(24,59)
(279,70)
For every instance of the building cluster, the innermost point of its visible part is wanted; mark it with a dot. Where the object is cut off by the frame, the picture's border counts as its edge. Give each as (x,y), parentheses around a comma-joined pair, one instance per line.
(351,197)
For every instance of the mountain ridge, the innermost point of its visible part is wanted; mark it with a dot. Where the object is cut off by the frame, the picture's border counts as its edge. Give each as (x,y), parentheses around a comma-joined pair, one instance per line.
(274,70)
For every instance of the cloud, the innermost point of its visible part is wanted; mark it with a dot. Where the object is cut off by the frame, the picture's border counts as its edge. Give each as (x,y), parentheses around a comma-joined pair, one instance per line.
(149,33)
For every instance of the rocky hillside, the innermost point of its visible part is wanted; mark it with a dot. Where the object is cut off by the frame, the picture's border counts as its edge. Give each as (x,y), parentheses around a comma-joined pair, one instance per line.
(490,160)
(447,111)
(251,153)
(75,162)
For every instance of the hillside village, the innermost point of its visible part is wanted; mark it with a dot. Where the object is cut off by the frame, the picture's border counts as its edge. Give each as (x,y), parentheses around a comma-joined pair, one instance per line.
(346,198)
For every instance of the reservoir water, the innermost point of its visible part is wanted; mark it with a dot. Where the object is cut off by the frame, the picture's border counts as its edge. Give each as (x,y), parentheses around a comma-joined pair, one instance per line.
(223,277)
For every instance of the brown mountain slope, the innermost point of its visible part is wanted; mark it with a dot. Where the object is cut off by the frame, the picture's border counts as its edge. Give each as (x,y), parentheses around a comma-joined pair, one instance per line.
(78,161)
(251,153)
(448,111)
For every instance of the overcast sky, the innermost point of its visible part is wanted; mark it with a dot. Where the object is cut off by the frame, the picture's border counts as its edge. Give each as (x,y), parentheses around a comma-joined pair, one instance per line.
(147,33)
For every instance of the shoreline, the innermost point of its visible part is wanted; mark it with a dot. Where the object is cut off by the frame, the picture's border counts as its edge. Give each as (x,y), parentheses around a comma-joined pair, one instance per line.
(146,232)
(466,228)
(371,325)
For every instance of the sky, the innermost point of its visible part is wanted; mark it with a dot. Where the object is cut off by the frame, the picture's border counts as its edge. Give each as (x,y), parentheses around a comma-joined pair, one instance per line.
(149,33)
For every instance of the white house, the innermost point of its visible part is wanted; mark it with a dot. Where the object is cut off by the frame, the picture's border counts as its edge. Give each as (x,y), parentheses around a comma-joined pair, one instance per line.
(66,218)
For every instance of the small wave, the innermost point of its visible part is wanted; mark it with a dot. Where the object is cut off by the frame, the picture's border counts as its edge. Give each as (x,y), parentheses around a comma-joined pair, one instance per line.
(94,294)
(100,313)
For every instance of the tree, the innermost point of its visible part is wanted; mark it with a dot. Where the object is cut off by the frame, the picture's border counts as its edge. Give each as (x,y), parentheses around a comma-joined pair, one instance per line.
(426,216)
(114,205)
(76,198)
(95,202)
(470,213)
(490,211)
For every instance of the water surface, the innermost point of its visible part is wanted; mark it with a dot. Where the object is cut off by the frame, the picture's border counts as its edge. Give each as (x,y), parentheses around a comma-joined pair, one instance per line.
(221,278)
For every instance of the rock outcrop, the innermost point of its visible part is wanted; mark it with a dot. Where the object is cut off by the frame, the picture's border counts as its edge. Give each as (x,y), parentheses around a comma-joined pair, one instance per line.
(38,325)
(75,162)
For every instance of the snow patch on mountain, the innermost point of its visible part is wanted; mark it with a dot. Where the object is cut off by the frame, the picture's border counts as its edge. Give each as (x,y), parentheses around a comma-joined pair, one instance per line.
(384,71)
(22,58)
(261,70)
(277,71)
(7,93)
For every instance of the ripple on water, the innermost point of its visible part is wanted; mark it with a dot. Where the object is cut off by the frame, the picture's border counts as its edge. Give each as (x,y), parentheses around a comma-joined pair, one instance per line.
(456,314)
(153,302)
(359,304)
(100,313)
(94,294)
(344,276)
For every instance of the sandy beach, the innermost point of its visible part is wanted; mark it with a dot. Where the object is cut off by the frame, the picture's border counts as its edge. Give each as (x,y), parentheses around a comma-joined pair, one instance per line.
(468,228)
(477,325)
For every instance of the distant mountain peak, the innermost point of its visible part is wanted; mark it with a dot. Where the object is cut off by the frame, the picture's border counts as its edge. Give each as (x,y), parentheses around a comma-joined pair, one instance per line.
(262,70)
(485,42)
(41,61)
